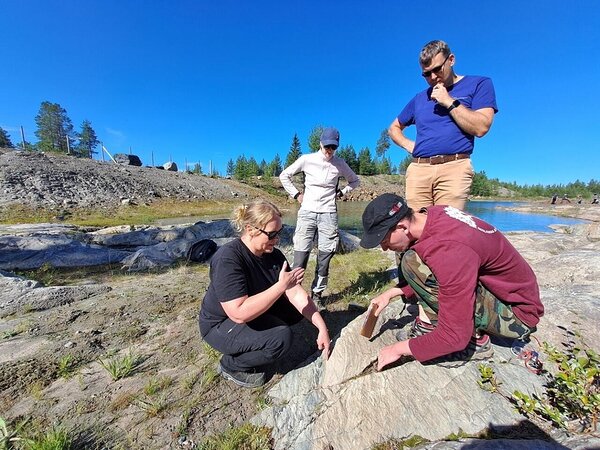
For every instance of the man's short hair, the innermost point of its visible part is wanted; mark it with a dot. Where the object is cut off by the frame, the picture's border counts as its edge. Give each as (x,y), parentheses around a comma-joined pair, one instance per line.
(431,49)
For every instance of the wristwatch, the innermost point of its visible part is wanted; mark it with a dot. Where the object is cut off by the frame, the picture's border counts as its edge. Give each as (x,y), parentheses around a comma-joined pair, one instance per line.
(454,104)
(297,195)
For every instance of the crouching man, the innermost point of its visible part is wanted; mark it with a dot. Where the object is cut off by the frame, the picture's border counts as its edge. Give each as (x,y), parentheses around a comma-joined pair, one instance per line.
(468,280)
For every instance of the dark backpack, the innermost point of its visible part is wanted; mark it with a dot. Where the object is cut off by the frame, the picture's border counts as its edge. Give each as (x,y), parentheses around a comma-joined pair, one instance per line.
(202,250)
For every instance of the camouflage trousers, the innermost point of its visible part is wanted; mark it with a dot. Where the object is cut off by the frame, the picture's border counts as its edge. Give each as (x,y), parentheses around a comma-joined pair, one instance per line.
(491,314)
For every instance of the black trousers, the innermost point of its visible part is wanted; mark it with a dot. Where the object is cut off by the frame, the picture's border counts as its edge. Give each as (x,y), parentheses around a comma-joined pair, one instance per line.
(260,342)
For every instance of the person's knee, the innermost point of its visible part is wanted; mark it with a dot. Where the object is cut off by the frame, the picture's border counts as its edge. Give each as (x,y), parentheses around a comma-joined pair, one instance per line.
(279,343)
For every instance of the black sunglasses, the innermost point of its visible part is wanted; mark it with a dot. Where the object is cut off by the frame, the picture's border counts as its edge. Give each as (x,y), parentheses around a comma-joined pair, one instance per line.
(330,147)
(270,234)
(428,73)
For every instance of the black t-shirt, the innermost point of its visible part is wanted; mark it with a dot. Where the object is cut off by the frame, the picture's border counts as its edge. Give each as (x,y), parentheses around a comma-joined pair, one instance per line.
(235,272)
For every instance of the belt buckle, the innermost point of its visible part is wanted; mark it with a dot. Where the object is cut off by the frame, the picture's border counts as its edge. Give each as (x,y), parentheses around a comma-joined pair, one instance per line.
(433,158)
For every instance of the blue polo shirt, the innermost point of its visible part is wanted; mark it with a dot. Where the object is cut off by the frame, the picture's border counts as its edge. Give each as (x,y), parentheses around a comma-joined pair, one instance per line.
(437,133)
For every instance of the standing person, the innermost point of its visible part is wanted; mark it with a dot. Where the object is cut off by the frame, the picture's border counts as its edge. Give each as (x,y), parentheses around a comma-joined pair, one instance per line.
(253,298)
(317,215)
(469,281)
(447,115)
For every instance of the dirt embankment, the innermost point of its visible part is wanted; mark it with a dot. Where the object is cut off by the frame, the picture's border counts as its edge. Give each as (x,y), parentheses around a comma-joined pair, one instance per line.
(50,181)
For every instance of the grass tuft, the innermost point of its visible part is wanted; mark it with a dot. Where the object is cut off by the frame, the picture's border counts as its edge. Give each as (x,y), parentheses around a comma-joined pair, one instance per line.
(122,366)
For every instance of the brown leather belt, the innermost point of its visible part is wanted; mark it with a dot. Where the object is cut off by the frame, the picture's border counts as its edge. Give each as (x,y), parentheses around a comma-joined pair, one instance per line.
(441,159)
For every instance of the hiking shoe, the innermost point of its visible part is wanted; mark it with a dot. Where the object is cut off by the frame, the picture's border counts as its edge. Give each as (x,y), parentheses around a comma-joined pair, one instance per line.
(244,379)
(478,349)
(318,299)
(417,328)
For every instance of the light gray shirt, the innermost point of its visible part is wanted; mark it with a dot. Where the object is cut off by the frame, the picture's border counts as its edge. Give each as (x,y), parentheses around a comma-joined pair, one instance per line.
(321,179)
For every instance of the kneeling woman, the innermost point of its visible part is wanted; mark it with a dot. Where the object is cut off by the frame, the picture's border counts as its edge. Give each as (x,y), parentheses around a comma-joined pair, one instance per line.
(253,298)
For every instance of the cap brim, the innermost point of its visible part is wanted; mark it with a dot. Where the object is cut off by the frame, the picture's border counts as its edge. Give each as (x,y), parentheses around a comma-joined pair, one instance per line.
(373,239)
(336,143)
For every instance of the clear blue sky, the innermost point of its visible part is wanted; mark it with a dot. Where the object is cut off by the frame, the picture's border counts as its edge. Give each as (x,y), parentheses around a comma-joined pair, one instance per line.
(209,80)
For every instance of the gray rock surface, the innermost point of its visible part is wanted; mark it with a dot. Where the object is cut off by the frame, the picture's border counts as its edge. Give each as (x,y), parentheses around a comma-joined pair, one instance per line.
(29,247)
(18,294)
(50,181)
(345,404)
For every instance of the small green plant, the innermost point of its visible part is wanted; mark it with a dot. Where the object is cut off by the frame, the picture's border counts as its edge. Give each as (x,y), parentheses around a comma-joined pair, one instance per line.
(122,366)
(8,438)
(22,327)
(263,403)
(66,367)
(209,375)
(247,437)
(395,444)
(213,355)
(488,381)
(573,393)
(156,385)
(152,407)
(55,439)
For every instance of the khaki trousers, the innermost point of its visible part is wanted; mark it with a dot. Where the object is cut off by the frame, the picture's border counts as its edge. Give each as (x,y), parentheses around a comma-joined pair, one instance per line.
(439,184)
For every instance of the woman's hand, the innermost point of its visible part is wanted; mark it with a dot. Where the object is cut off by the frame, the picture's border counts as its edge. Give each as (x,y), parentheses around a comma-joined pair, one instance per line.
(291,278)
(323,343)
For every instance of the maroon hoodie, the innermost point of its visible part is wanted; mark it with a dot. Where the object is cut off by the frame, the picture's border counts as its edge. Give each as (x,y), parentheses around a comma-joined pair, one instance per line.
(461,250)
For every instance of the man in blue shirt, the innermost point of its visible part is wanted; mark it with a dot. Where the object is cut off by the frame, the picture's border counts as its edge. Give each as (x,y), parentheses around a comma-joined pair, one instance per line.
(448,115)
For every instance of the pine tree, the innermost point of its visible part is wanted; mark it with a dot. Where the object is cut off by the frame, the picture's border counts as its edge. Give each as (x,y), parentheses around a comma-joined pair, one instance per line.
(53,128)
(314,138)
(230,168)
(383,144)
(404,164)
(5,139)
(366,166)
(274,168)
(88,140)
(295,151)
(348,154)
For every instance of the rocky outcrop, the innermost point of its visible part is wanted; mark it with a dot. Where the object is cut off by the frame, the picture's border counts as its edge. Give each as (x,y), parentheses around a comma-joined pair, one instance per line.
(18,294)
(24,247)
(49,181)
(345,404)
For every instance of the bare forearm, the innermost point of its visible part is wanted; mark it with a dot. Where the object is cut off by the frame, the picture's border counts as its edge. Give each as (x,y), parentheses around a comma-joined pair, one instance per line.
(396,133)
(476,123)
(257,304)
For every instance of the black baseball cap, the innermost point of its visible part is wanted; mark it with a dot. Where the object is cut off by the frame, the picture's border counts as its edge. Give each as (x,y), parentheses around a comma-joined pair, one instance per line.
(381,214)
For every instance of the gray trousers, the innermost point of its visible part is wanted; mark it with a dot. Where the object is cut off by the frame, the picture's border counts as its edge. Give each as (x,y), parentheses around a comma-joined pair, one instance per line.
(324,228)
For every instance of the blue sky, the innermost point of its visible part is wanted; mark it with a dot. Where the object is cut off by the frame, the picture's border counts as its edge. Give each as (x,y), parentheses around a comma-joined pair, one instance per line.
(206,81)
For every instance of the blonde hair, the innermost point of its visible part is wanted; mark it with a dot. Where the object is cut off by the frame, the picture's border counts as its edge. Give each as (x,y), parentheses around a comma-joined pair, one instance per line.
(257,213)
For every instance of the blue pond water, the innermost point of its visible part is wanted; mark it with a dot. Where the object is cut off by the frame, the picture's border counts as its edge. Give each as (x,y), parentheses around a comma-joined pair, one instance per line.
(350,214)
(504,220)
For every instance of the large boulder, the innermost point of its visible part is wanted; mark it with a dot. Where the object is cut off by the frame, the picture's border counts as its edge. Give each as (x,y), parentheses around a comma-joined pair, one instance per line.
(345,404)
(128,160)
(171,166)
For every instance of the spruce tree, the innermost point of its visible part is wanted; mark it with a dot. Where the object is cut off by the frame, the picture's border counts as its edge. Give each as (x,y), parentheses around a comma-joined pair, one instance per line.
(295,151)
(53,128)
(88,140)
(5,139)
(314,138)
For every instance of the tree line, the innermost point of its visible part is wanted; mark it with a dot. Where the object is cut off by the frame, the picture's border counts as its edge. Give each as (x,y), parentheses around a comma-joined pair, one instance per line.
(362,163)
(485,187)
(55,133)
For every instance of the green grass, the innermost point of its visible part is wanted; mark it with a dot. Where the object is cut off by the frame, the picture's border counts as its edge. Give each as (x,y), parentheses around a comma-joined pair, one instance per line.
(245,437)
(122,215)
(67,367)
(356,277)
(155,385)
(122,366)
